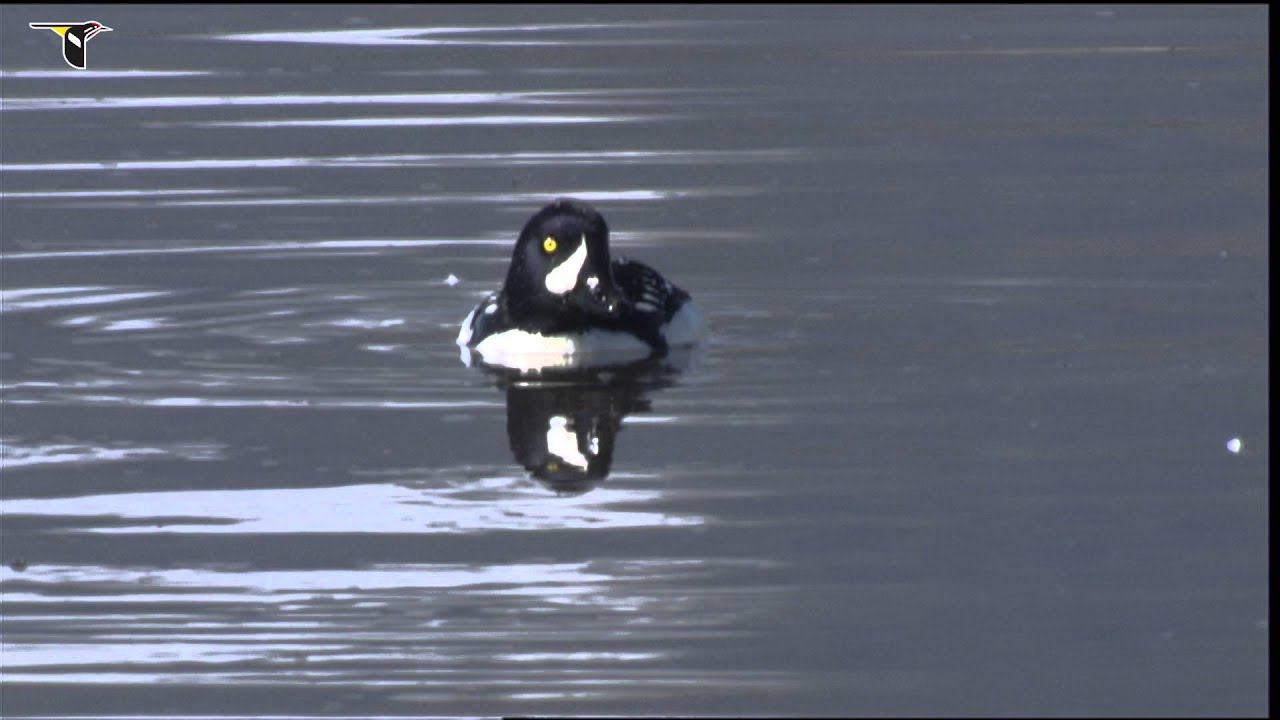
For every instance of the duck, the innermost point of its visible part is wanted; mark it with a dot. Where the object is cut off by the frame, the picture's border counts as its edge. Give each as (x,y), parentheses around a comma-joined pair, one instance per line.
(567,302)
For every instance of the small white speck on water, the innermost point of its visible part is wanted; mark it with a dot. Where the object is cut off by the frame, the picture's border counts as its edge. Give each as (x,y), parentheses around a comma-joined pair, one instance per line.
(1234,446)
(451,280)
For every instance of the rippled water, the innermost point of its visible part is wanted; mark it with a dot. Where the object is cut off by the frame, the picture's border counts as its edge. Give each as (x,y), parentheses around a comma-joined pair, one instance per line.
(988,304)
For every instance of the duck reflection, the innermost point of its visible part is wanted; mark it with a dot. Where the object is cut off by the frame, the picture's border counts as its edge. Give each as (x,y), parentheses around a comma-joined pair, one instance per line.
(562,424)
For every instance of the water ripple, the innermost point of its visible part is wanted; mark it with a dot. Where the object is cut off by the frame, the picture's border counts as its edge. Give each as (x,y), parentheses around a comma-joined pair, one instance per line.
(453,120)
(541,97)
(591,627)
(447,160)
(462,506)
(620,195)
(14,455)
(112,74)
(19,300)
(466,35)
(251,247)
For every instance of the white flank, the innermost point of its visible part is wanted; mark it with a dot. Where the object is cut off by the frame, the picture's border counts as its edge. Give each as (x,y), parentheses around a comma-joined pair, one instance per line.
(464,332)
(530,351)
(563,279)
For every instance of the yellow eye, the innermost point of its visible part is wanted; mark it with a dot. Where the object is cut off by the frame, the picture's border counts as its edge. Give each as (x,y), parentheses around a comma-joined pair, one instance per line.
(549,244)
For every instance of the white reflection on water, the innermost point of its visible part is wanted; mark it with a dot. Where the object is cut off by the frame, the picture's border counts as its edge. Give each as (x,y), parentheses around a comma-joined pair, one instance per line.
(440,35)
(114,74)
(460,160)
(293,584)
(531,198)
(278,246)
(135,325)
(9,296)
(622,238)
(590,626)
(593,97)
(150,192)
(14,455)
(544,657)
(409,121)
(40,298)
(494,503)
(256,402)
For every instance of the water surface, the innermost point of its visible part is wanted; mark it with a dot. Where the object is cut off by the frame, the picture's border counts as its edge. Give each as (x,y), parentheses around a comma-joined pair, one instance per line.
(988,298)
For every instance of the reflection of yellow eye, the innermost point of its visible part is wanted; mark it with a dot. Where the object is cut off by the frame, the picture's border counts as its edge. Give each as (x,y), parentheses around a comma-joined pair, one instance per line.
(549,244)
(552,466)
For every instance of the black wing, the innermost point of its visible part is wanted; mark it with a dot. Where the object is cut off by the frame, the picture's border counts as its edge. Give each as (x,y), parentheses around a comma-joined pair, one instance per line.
(646,289)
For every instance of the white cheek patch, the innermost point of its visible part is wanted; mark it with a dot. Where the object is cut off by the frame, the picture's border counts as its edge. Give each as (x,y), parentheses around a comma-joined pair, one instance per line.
(565,276)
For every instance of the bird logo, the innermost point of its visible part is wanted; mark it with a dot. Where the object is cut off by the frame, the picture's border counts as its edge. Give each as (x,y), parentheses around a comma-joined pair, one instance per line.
(75,36)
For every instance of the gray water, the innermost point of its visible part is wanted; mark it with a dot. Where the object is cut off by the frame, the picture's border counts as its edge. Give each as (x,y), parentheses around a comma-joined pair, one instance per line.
(981,426)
